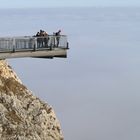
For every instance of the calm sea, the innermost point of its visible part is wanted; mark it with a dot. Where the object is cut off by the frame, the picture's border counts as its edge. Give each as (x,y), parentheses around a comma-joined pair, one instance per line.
(95,91)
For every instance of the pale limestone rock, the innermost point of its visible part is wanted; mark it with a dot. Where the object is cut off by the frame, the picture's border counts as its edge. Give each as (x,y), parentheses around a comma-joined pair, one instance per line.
(22,115)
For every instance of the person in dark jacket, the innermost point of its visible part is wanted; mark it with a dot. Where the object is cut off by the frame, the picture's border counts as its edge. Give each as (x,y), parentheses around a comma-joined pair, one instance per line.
(57,34)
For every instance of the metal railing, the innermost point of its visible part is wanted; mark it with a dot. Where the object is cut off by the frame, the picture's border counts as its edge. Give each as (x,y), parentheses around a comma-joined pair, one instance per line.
(26,43)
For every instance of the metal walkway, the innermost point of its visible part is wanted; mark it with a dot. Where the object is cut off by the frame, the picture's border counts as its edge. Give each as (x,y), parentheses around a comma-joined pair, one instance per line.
(28,46)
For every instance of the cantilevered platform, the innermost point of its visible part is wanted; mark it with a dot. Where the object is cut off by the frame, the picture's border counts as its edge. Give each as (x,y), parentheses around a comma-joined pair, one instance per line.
(28,46)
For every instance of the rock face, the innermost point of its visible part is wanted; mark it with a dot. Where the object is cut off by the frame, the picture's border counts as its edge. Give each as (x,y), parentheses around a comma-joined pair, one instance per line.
(22,115)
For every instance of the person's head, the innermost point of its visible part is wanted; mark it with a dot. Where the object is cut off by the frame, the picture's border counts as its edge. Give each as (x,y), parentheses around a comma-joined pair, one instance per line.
(59,31)
(37,33)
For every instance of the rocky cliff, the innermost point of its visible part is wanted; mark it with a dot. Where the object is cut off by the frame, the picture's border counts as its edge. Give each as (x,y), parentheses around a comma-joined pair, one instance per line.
(22,115)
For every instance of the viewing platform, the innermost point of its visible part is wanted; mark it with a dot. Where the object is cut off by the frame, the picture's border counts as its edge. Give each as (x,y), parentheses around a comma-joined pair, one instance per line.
(28,46)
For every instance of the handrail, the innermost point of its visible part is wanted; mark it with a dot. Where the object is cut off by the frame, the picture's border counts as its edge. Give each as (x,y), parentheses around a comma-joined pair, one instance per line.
(26,43)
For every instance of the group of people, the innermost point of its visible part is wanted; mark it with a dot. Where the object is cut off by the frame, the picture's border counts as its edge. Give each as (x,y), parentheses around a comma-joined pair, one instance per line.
(41,33)
(43,39)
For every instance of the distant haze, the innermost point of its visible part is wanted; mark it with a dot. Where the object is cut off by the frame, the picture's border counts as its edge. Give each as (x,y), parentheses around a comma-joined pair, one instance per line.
(66,3)
(95,91)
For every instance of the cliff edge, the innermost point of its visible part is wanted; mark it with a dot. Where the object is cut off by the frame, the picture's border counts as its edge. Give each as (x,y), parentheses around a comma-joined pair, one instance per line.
(22,115)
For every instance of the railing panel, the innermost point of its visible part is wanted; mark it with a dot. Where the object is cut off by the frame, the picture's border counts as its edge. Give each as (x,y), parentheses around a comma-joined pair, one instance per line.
(57,41)
(63,42)
(6,44)
(24,43)
(33,43)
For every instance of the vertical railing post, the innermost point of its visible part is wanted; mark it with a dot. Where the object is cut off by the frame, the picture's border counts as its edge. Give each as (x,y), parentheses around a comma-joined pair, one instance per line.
(67,45)
(35,44)
(14,45)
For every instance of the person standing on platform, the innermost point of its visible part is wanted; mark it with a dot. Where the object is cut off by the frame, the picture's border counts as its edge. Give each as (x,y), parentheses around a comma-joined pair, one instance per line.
(57,34)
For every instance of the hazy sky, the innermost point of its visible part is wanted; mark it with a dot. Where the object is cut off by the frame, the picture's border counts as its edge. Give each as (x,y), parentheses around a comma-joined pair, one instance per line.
(95,92)
(58,3)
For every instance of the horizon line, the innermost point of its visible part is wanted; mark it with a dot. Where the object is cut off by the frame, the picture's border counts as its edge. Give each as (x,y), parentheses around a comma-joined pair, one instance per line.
(52,7)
